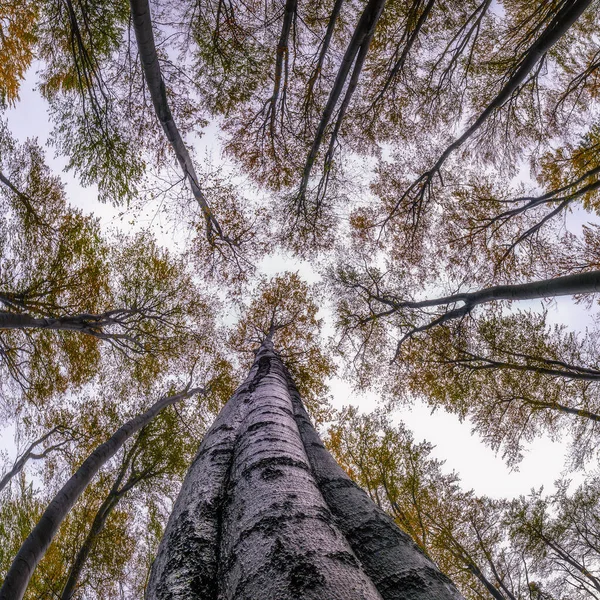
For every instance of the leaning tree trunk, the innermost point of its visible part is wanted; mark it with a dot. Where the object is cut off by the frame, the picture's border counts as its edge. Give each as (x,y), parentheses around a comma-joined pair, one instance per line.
(265,513)
(37,542)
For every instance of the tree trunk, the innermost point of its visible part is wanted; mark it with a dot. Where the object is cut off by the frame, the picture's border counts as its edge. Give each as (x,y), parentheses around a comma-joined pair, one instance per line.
(117,491)
(265,512)
(363,33)
(34,547)
(557,28)
(88,545)
(142,26)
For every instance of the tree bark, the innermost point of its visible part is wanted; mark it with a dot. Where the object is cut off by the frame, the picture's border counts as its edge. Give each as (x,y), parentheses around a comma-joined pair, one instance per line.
(560,24)
(266,513)
(281,59)
(117,491)
(142,25)
(88,545)
(363,33)
(34,547)
(91,324)
(333,17)
(557,28)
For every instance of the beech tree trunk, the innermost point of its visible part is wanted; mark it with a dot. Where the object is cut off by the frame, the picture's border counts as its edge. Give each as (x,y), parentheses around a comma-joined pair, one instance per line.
(35,545)
(265,513)
(142,26)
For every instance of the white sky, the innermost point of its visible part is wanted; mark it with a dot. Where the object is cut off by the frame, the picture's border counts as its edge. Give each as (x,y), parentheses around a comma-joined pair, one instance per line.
(477,465)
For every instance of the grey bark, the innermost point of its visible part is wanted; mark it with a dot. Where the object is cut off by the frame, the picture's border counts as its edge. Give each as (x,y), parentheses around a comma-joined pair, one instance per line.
(568,285)
(265,513)
(281,58)
(360,40)
(117,491)
(142,25)
(91,324)
(333,17)
(561,23)
(558,26)
(37,542)
(577,412)
(397,566)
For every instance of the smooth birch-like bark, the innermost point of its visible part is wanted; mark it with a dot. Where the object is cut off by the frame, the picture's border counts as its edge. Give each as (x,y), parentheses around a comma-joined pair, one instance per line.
(569,285)
(35,545)
(352,84)
(364,31)
(117,491)
(555,30)
(90,324)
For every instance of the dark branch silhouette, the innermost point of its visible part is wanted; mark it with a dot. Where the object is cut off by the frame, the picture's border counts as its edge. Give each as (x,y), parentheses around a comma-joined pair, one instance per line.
(418,193)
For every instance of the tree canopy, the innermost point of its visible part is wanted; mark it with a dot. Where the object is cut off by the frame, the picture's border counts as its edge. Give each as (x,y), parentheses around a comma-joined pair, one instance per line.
(395,192)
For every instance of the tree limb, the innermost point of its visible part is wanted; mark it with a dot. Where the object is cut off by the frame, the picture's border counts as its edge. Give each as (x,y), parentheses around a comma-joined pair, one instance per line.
(142,24)
(37,542)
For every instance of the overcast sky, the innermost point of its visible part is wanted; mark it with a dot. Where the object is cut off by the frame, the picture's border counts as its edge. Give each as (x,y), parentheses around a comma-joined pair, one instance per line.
(463,451)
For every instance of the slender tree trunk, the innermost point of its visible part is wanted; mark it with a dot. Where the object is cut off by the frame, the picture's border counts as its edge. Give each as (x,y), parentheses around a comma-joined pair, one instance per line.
(117,491)
(37,542)
(87,323)
(142,25)
(558,27)
(333,17)
(9,320)
(265,513)
(281,59)
(88,545)
(364,31)
(568,285)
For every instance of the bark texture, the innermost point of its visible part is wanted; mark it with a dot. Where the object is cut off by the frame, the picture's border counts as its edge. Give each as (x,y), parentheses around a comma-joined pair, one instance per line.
(265,513)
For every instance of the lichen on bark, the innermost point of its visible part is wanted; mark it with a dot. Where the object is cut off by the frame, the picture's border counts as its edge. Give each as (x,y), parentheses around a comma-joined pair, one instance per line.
(265,513)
